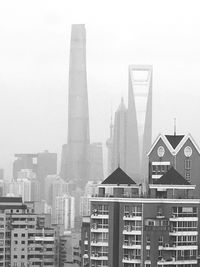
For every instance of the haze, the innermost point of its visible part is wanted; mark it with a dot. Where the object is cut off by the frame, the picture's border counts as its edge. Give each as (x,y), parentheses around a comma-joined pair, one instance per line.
(34,58)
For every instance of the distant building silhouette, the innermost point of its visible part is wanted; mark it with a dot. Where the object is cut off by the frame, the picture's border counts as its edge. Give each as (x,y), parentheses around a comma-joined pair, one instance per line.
(77,163)
(139,121)
(46,165)
(24,161)
(41,164)
(117,144)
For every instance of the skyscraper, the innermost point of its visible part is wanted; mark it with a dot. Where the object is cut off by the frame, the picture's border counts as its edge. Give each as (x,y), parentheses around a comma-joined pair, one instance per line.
(139,120)
(76,161)
(117,142)
(130,136)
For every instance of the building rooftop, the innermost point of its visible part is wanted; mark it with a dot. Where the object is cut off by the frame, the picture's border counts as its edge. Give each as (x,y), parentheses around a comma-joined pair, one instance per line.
(172,177)
(174,140)
(10,199)
(118,177)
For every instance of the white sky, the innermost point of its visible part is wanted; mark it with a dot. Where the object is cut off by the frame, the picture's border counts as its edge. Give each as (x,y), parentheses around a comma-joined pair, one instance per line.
(34,58)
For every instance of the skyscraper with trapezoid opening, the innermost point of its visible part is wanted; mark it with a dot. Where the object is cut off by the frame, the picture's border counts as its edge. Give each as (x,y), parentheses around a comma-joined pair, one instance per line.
(139,120)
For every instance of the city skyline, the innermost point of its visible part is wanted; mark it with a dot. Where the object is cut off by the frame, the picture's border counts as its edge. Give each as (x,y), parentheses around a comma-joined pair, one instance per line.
(34,74)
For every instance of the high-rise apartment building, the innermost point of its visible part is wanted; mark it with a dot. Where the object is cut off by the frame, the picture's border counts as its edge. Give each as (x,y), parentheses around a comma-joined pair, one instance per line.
(25,237)
(25,185)
(90,190)
(69,250)
(65,212)
(126,228)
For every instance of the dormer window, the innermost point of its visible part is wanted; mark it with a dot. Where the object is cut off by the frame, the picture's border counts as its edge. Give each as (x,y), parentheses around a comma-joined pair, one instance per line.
(187,164)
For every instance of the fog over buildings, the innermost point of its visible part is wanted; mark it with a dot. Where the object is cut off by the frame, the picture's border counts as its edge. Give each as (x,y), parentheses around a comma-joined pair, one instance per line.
(34,52)
(133,75)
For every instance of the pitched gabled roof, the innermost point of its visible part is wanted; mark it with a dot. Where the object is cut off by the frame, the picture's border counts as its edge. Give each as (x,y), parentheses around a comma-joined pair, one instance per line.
(174,140)
(172,177)
(118,177)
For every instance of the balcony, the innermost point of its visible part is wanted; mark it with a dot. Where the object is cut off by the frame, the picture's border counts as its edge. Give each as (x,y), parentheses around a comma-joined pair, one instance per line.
(132,259)
(183,233)
(176,247)
(131,245)
(132,232)
(177,218)
(99,216)
(177,261)
(99,256)
(184,214)
(99,243)
(99,228)
(136,217)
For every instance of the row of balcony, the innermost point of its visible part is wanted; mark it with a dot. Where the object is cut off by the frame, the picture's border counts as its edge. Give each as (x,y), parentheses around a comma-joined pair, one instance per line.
(177,260)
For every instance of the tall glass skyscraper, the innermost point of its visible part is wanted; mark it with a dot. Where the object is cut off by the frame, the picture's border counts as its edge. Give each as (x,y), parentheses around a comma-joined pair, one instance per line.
(78,155)
(139,120)
(75,154)
(131,134)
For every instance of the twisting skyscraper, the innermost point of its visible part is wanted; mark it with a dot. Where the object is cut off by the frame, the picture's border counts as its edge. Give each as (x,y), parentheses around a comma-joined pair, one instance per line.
(78,155)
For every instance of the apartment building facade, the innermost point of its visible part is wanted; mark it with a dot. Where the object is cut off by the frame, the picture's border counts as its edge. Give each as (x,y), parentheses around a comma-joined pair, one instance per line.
(179,151)
(25,238)
(127,229)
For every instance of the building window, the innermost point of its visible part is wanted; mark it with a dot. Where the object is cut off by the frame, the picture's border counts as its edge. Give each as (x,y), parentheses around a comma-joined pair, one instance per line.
(22,242)
(15,256)
(160,240)
(23,235)
(187,176)
(163,168)
(15,235)
(148,240)
(16,242)
(188,164)
(153,169)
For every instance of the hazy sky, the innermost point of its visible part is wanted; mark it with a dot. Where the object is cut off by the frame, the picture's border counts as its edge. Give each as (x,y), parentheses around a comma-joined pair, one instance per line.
(34,58)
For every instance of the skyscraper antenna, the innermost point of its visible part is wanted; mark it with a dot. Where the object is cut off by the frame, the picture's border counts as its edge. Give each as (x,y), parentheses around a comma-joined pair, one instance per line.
(174,126)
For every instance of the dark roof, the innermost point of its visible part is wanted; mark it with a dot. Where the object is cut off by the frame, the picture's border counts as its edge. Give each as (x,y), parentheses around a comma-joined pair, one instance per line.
(118,177)
(10,199)
(13,207)
(172,177)
(174,140)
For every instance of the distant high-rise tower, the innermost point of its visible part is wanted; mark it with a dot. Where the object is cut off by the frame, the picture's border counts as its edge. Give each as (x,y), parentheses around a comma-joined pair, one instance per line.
(75,165)
(81,160)
(118,138)
(139,120)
